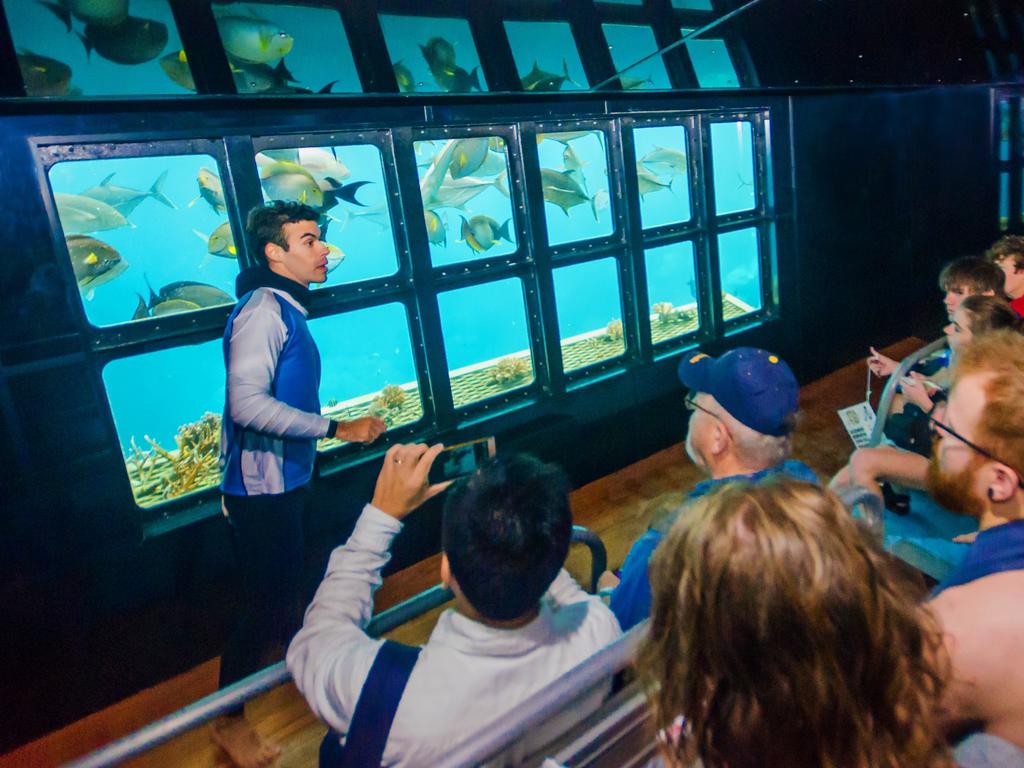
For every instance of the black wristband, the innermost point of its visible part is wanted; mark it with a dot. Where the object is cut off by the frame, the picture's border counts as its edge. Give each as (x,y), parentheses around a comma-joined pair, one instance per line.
(332,429)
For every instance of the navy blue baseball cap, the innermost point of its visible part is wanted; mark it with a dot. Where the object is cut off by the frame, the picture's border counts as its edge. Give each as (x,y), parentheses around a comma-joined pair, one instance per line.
(756,387)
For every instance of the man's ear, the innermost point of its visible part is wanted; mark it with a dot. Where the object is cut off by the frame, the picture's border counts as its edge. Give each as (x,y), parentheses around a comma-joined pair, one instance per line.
(721,438)
(273,252)
(1003,483)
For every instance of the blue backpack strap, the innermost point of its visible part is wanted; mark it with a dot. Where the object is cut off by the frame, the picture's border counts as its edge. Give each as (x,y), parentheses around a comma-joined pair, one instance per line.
(375,710)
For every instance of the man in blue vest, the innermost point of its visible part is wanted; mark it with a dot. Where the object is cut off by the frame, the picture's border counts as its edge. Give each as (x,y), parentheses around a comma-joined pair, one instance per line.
(742,411)
(519,621)
(270,427)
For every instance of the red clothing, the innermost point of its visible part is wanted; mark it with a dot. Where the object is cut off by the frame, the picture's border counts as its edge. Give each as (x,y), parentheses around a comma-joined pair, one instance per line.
(1017,305)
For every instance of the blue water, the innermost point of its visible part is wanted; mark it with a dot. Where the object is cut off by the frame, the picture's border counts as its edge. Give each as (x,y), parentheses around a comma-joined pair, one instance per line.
(405,34)
(732,152)
(483,322)
(587,296)
(629,43)
(669,205)
(671,274)
(711,62)
(548,44)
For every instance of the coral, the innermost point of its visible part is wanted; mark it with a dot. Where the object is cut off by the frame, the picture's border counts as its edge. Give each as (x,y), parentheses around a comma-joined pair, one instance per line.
(332,403)
(510,369)
(159,474)
(388,403)
(665,311)
(613,332)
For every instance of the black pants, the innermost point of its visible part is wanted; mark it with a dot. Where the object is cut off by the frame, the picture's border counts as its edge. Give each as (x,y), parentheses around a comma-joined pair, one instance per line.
(269,548)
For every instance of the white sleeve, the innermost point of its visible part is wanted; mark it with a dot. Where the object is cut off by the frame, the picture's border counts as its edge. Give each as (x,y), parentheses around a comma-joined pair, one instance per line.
(258,335)
(331,655)
(564,590)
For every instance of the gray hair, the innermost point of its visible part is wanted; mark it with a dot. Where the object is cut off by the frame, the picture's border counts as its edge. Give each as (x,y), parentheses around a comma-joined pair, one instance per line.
(754,448)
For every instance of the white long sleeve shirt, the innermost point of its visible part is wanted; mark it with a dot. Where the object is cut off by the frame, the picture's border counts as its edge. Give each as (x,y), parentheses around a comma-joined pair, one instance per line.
(468,674)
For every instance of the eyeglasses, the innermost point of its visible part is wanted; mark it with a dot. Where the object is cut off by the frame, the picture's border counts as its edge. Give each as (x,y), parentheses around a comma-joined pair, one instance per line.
(973,446)
(692,405)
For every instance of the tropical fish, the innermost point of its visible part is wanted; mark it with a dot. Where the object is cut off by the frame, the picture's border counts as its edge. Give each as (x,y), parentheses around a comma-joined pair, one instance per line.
(664,160)
(561,188)
(99,12)
(601,200)
(632,83)
(221,242)
(458,80)
(132,41)
(648,182)
(571,160)
(253,39)
(44,76)
(564,137)
(376,214)
(290,181)
(334,257)
(439,54)
(403,76)
(261,78)
(94,262)
(175,65)
(437,234)
(267,156)
(434,176)
(455,193)
(346,192)
(539,80)
(467,156)
(124,199)
(481,232)
(81,215)
(184,296)
(324,165)
(210,190)
(496,143)
(493,164)
(424,152)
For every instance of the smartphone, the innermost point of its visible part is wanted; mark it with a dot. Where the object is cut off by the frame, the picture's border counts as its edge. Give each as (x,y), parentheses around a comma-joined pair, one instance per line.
(461,459)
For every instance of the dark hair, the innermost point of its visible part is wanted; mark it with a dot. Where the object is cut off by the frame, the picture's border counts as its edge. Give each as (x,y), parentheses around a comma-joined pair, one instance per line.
(265,224)
(990,313)
(506,531)
(1008,245)
(973,273)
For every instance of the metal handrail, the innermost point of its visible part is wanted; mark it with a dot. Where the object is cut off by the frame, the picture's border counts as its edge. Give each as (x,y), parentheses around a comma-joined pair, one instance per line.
(235,695)
(889,391)
(545,703)
(872,503)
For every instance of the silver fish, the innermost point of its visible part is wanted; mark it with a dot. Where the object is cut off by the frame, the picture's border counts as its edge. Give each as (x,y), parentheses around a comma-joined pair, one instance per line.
(210,190)
(648,182)
(539,80)
(290,181)
(455,193)
(561,188)
(81,215)
(125,199)
(664,160)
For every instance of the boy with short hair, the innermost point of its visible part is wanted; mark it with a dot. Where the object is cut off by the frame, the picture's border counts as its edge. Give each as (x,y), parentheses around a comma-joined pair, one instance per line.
(1008,254)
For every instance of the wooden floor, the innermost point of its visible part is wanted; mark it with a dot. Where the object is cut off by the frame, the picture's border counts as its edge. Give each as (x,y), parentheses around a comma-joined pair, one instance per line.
(613,506)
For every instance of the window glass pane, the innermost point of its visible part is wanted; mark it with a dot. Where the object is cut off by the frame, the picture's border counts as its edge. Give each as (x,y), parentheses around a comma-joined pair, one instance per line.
(368,367)
(732,157)
(1004,201)
(711,62)
(589,313)
(1004,130)
(140,241)
(621,2)
(464,191)
(574,178)
(98,48)
(347,184)
(739,265)
(432,54)
(546,56)
(280,48)
(167,408)
(663,174)
(628,43)
(486,339)
(672,290)
(693,5)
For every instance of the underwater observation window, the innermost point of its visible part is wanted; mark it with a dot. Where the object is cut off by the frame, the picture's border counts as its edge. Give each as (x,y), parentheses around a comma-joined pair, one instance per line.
(367,367)
(711,62)
(574,182)
(693,5)
(146,236)
(486,339)
(346,183)
(546,56)
(98,48)
(739,265)
(672,290)
(1004,201)
(167,408)
(663,175)
(629,42)
(464,192)
(732,160)
(589,306)
(284,48)
(1004,129)
(431,54)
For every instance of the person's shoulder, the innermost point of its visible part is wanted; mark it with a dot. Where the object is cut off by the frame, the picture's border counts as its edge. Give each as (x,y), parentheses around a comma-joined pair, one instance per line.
(985,602)
(798,471)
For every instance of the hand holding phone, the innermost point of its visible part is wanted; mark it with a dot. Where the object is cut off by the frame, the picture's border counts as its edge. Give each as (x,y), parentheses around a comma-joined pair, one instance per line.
(461,459)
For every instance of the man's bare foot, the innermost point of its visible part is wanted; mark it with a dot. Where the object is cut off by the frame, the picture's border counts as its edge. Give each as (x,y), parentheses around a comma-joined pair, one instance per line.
(245,747)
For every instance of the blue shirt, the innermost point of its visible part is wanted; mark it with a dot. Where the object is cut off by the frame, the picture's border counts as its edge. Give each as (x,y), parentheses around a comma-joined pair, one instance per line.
(995,550)
(631,599)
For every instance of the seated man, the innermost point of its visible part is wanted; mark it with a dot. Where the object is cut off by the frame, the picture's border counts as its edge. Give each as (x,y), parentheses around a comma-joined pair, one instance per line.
(978,469)
(1008,254)
(519,620)
(743,408)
